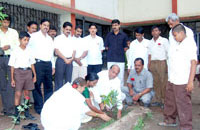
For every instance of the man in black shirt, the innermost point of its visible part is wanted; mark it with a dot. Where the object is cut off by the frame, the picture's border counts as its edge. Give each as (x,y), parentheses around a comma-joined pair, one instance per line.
(116,45)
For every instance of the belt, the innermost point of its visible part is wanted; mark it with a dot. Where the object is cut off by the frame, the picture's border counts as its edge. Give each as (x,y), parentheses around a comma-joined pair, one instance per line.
(38,60)
(27,68)
(6,56)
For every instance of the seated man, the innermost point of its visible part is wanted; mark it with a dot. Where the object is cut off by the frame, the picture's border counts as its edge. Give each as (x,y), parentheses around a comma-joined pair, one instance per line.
(140,84)
(109,81)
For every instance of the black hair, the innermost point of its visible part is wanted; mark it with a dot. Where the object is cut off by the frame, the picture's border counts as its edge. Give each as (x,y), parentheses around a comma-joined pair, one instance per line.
(178,28)
(79,26)
(153,27)
(79,81)
(44,20)
(115,21)
(139,59)
(65,24)
(52,27)
(91,77)
(31,23)
(139,30)
(23,34)
(8,18)
(92,24)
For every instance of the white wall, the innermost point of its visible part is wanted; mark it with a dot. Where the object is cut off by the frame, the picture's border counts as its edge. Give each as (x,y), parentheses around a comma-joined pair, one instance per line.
(103,8)
(143,10)
(188,8)
(66,3)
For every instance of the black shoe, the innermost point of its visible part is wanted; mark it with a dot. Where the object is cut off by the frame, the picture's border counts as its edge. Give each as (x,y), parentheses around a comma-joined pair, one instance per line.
(17,116)
(30,126)
(30,117)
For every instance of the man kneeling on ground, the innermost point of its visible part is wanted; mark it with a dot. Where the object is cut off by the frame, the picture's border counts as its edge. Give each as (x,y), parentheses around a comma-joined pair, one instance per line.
(140,84)
(108,82)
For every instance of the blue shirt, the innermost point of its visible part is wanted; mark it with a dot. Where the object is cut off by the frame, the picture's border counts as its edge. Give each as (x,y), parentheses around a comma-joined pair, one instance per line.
(116,45)
(140,81)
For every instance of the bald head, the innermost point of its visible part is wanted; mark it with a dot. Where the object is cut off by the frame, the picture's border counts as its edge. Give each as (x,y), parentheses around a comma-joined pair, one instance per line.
(114,71)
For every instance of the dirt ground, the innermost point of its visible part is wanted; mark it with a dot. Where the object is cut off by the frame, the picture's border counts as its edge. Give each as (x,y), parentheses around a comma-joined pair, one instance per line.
(5,122)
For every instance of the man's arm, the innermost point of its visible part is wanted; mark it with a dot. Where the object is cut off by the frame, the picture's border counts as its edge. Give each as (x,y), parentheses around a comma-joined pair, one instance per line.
(12,76)
(67,61)
(149,62)
(190,85)
(78,60)
(34,73)
(138,96)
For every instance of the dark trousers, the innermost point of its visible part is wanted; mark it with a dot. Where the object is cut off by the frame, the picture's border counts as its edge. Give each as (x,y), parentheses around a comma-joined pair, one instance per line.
(63,73)
(44,75)
(94,68)
(6,91)
(178,103)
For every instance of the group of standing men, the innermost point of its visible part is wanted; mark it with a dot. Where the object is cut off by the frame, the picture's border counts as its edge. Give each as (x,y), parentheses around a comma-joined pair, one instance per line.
(78,56)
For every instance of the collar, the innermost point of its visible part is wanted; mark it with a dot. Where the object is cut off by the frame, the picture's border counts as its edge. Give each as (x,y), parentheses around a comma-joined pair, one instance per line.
(6,32)
(141,73)
(117,34)
(159,38)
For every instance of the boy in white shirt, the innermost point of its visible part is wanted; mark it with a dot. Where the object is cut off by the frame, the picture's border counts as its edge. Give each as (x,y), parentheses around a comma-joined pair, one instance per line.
(182,64)
(22,68)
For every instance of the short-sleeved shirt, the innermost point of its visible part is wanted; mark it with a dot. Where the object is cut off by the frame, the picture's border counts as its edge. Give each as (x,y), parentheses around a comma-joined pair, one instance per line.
(140,81)
(116,45)
(11,38)
(180,57)
(95,46)
(158,49)
(80,47)
(65,45)
(86,93)
(21,58)
(138,50)
(42,47)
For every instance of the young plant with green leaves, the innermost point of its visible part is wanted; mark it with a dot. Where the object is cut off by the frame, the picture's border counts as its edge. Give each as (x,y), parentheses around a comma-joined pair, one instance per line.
(111,99)
(21,108)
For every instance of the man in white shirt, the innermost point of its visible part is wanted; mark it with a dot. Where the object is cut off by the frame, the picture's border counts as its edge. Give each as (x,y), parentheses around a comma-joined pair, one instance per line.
(9,39)
(157,64)
(138,49)
(107,82)
(64,48)
(32,27)
(182,65)
(95,49)
(80,60)
(41,44)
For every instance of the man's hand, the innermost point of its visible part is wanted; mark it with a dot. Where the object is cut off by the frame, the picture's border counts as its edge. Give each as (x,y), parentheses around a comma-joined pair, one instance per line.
(131,92)
(190,87)
(105,117)
(68,61)
(34,79)
(53,71)
(101,106)
(136,97)
(78,61)
(119,114)
(6,47)
(129,71)
(13,83)
(149,65)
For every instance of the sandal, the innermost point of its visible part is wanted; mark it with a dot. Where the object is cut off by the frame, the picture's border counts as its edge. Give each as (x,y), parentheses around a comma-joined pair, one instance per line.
(167,125)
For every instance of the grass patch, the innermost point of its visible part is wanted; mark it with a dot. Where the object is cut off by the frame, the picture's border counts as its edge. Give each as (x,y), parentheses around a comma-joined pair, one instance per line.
(141,121)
